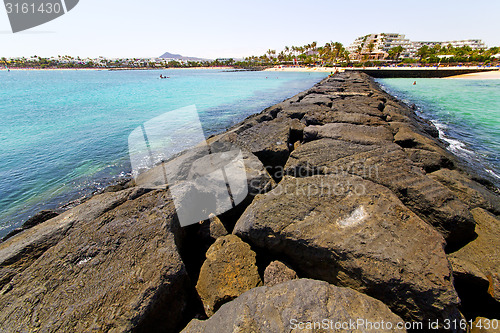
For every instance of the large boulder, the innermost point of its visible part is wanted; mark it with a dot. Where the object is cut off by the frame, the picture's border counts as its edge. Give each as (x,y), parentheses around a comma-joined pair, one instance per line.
(185,165)
(21,250)
(209,179)
(228,271)
(270,140)
(476,266)
(467,190)
(484,251)
(389,165)
(355,233)
(359,104)
(429,161)
(296,306)
(117,272)
(360,134)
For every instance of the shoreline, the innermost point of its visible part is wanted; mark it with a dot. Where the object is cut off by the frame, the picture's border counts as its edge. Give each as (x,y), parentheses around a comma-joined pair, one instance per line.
(84,191)
(124,182)
(108,69)
(415,221)
(493,75)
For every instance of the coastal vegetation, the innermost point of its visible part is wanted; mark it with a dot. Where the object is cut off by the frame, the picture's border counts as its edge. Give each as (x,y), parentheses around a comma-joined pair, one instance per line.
(331,54)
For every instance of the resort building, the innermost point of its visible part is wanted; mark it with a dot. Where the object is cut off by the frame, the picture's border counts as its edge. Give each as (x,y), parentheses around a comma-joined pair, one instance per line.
(474,44)
(377,46)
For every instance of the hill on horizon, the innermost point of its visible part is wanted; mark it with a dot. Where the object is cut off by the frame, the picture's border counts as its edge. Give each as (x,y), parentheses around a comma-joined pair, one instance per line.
(169,55)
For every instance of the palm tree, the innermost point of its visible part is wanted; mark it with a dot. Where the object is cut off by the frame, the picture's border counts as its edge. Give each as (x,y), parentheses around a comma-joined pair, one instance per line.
(395,52)
(423,52)
(371,46)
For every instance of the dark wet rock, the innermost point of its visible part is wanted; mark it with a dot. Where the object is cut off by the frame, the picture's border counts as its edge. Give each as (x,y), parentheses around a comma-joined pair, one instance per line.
(348,132)
(388,165)
(120,185)
(467,190)
(120,271)
(278,272)
(274,309)
(228,271)
(355,233)
(298,111)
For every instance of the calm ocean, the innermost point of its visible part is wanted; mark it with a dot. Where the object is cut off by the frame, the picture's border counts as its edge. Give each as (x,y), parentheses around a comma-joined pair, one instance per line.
(467,113)
(63,134)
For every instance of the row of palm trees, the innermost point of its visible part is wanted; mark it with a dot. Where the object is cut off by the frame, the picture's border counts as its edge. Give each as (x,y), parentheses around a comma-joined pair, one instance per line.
(331,53)
(464,51)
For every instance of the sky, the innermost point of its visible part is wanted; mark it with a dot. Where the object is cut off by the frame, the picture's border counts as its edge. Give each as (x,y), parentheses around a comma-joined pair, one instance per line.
(216,28)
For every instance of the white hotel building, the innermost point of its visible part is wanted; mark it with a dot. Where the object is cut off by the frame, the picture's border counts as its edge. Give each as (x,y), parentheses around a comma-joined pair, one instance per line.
(381,43)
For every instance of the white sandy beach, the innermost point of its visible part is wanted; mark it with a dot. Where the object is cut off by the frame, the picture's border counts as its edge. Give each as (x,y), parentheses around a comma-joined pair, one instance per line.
(493,75)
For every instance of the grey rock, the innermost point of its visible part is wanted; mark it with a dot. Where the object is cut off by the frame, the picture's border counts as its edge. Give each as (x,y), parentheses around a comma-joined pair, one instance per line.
(360,134)
(388,165)
(355,233)
(293,306)
(480,259)
(430,161)
(355,118)
(268,140)
(469,191)
(359,104)
(409,136)
(317,99)
(198,185)
(19,251)
(117,272)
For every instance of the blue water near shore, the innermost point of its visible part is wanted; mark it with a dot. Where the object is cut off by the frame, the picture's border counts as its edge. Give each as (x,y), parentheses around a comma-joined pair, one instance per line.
(466,112)
(63,134)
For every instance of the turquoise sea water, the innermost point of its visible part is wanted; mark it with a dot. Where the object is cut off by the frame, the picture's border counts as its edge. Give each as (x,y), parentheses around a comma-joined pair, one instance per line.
(63,134)
(467,113)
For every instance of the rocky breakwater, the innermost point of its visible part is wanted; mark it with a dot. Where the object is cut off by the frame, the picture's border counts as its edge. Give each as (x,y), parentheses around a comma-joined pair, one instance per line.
(355,212)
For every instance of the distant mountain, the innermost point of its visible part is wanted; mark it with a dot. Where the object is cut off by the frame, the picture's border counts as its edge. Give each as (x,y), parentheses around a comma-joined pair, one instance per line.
(169,55)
